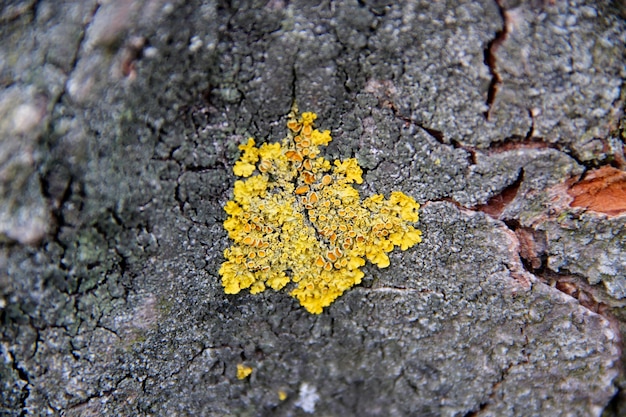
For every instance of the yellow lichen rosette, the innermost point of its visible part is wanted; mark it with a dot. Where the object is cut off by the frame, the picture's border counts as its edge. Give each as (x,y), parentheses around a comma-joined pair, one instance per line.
(296,218)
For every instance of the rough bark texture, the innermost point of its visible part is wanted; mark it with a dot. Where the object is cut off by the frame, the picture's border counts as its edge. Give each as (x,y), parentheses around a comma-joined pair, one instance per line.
(119,125)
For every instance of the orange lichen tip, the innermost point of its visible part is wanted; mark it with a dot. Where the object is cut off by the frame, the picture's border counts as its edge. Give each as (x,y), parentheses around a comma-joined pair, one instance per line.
(295,217)
(294,126)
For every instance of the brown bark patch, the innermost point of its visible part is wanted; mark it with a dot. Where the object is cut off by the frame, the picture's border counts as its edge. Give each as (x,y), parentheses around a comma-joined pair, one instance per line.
(532,245)
(603,190)
(496,204)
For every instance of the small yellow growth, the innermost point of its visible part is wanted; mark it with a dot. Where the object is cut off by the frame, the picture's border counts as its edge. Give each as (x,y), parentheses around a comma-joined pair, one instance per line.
(245,166)
(300,220)
(282,395)
(243,371)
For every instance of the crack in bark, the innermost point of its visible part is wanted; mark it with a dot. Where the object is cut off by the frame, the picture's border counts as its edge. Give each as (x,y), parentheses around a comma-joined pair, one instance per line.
(491,62)
(531,129)
(592,297)
(294,79)
(496,205)
(24,376)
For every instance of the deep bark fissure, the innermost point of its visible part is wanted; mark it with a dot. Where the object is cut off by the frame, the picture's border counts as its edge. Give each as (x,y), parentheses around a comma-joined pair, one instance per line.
(491,62)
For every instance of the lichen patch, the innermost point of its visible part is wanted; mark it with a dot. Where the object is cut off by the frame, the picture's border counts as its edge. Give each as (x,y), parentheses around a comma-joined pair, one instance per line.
(296,217)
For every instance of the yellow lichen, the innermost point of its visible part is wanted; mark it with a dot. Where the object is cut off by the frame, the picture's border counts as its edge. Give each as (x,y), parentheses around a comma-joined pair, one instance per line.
(245,166)
(243,371)
(300,220)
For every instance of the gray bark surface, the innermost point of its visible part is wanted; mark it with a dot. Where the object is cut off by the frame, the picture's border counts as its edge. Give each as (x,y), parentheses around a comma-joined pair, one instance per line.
(119,127)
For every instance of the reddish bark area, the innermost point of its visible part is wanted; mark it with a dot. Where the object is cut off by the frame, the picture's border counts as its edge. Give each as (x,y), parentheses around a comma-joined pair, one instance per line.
(496,204)
(532,245)
(603,190)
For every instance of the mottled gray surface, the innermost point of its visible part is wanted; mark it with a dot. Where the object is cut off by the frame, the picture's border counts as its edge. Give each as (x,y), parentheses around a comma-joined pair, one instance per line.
(119,125)
(564,66)
(596,251)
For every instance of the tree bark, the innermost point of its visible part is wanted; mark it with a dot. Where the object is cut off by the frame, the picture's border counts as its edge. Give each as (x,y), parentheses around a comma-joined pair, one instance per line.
(119,127)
